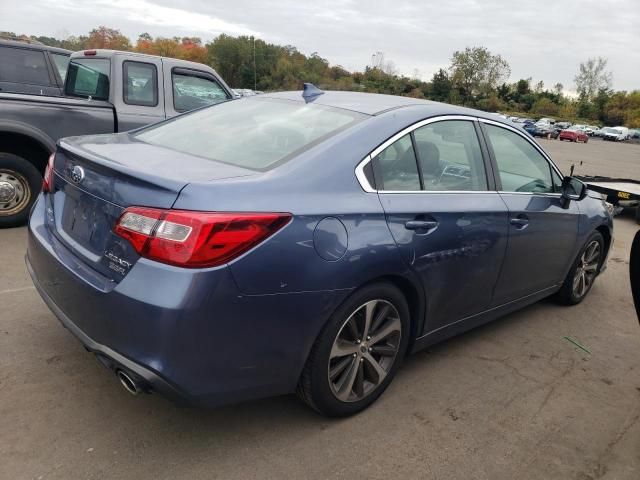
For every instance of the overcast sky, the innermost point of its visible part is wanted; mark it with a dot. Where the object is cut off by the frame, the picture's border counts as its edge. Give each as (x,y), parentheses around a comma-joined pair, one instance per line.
(543,39)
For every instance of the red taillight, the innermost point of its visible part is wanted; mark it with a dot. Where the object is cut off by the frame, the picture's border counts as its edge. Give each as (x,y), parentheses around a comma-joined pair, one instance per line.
(195,239)
(90,52)
(47,180)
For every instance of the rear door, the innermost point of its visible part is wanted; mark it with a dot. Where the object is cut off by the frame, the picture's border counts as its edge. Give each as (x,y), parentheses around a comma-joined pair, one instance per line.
(444,214)
(542,233)
(138,91)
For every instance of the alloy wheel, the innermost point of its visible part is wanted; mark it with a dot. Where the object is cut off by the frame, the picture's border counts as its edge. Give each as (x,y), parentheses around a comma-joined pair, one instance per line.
(587,269)
(364,350)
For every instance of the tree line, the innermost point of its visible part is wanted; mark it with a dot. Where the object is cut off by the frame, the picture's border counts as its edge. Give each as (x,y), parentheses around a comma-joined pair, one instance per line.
(475,77)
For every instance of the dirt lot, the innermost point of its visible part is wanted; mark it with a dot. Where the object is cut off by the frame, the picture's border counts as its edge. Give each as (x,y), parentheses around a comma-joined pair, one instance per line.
(511,400)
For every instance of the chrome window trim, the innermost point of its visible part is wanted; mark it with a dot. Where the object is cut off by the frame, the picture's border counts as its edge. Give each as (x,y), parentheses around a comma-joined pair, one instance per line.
(362,179)
(367,187)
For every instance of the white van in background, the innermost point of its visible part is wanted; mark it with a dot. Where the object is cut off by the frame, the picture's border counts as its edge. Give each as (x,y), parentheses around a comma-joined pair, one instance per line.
(624,133)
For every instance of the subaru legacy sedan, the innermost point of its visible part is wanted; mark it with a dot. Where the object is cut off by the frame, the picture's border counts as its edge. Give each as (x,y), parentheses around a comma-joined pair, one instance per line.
(303,242)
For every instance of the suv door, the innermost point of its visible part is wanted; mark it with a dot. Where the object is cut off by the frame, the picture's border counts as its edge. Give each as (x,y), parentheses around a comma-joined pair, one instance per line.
(26,70)
(449,223)
(542,233)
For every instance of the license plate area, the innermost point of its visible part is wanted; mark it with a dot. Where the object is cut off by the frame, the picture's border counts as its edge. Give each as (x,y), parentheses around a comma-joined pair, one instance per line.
(87,219)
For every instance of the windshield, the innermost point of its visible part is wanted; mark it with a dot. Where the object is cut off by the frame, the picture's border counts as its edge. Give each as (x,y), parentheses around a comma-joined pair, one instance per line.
(256,132)
(611,130)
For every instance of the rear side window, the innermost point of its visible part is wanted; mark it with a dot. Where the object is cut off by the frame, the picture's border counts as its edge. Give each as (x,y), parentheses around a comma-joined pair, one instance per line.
(258,133)
(88,77)
(21,65)
(396,167)
(192,91)
(61,63)
(140,84)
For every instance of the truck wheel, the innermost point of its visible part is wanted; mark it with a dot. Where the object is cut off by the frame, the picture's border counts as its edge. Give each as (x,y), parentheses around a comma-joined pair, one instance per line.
(20,183)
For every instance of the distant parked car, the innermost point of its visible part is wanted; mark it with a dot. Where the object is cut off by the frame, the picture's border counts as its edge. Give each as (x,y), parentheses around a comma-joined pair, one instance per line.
(549,121)
(635,133)
(599,132)
(545,130)
(625,132)
(563,125)
(574,135)
(613,134)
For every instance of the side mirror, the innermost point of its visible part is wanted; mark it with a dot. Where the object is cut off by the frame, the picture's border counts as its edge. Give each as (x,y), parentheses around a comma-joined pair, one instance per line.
(572,189)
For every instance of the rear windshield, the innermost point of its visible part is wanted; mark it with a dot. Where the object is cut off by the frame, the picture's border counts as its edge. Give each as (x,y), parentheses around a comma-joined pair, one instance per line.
(255,133)
(88,77)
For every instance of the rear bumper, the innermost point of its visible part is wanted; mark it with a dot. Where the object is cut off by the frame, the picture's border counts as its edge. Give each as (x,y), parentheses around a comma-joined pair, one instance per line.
(188,334)
(110,358)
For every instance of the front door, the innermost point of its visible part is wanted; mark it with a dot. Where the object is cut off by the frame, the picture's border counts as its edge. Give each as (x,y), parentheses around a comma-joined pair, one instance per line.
(542,233)
(451,229)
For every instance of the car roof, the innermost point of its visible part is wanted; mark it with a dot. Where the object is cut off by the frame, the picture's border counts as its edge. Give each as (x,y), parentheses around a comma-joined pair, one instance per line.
(367,103)
(33,46)
(376,103)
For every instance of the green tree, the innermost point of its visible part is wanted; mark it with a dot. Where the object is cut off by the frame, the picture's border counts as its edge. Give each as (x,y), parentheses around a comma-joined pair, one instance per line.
(440,89)
(476,71)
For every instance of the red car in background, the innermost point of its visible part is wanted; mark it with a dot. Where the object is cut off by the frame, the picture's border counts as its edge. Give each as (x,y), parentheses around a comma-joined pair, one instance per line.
(573,135)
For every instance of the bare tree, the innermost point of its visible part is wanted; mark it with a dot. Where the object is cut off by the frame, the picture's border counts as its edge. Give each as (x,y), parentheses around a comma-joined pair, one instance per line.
(593,77)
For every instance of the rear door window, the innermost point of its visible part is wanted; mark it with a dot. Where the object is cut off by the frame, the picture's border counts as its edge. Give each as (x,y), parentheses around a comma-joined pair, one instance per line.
(191,90)
(88,77)
(450,157)
(140,84)
(21,65)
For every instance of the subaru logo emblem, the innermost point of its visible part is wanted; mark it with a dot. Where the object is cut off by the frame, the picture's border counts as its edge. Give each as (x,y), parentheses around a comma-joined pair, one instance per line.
(77,174)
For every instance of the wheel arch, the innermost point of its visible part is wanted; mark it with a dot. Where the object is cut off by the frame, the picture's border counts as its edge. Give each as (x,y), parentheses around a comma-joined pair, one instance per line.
(606,234)
(26,142)
(415,301)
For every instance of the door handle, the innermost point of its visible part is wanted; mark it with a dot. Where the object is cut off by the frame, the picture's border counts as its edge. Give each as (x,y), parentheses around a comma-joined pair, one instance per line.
(520,222)
(420,224)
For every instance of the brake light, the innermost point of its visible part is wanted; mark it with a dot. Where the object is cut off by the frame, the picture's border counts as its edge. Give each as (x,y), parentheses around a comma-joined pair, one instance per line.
(47,180)
(90,52)
(195,239)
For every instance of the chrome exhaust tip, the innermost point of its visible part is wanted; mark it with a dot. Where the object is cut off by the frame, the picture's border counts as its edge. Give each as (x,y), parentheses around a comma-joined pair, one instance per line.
(128,383)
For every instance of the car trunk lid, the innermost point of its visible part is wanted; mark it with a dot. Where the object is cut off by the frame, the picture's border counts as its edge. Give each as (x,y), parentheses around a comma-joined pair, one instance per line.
(97,177)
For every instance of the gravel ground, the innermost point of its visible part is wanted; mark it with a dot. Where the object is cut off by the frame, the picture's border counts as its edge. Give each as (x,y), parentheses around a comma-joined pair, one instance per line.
(512,399)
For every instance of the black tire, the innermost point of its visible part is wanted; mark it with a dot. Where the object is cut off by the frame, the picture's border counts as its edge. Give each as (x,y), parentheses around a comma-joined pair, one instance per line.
(22,183)
(567,294)
(314,386)
(638,214)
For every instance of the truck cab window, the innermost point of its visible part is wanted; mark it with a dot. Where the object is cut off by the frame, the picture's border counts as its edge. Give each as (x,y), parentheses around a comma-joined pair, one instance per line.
(191,91)
(140,84)
(88,77)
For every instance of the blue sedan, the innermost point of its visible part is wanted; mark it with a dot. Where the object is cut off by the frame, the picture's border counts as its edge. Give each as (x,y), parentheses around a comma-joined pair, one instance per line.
(303,242)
